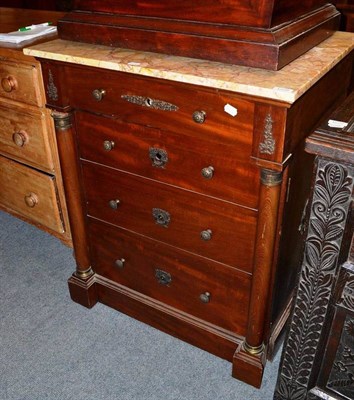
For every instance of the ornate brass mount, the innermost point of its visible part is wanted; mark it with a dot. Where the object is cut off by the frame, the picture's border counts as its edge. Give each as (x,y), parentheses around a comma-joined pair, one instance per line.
(149,102)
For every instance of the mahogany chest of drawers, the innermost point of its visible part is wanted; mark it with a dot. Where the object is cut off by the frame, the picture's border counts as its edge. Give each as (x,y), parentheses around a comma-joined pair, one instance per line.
(30,175)
(185,200)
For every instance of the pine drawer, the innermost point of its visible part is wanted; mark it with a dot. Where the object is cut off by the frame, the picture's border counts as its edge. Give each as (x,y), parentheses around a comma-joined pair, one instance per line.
(21,82)
(30,193)
(24,135)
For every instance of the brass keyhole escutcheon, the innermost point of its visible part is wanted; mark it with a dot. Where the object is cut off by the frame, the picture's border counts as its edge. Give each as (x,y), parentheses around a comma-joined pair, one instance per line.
(161,217)
(158,157)
(163,277)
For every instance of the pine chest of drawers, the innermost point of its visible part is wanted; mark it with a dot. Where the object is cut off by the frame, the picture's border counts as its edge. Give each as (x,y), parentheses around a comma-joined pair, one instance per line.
(30,175)
(186,199)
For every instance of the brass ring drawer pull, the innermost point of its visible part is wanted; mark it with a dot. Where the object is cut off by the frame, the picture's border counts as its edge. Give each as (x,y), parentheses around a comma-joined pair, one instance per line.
(31,200)
(9,84)
(98,94)
(108,145)
(114,204)
(161,217)
(20,138)
(206,235)
(205,297)
(199,116)
(163,277)
(119,263)
(208,172)
(158,157)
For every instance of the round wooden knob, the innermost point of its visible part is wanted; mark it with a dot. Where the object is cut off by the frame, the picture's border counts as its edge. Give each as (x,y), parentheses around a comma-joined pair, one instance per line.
(31,200)
(20,138)
(9,83)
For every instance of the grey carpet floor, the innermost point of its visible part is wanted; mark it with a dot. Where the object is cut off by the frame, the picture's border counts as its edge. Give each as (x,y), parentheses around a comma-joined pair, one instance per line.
(52,348)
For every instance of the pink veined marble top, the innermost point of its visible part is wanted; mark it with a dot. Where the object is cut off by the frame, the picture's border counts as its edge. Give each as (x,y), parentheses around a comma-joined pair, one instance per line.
(287,84)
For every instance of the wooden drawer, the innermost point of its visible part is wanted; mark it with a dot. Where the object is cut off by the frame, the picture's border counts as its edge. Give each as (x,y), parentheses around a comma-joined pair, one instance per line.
(162,104)
(20,82)
(176,159)
(145,206)
(29,193)
(147,266)
(24,135)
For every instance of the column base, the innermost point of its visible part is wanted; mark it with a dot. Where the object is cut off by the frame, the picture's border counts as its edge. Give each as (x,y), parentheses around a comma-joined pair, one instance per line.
(248,367)
(83,291)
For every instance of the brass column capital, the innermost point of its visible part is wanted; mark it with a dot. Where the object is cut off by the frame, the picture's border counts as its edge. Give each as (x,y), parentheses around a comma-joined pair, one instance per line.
(62,121)
(270,177)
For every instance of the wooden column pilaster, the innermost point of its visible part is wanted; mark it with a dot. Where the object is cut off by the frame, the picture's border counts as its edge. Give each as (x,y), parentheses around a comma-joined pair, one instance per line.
(82,283)
(252,349)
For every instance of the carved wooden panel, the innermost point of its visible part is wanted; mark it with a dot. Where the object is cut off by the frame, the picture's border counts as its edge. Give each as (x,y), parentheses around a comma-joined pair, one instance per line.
(341,379)
(329,208)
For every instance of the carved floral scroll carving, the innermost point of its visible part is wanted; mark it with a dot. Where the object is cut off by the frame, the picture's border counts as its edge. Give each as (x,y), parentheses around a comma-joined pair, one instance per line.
(329,209)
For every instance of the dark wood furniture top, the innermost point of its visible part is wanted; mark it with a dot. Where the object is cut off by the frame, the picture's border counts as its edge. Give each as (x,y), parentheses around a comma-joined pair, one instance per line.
(318,355)
(261,33)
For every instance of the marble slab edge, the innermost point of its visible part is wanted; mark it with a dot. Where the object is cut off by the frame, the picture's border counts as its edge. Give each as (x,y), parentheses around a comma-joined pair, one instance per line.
(286,85)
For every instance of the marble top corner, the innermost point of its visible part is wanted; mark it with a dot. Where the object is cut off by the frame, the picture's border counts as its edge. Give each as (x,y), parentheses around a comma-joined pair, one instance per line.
(287,84)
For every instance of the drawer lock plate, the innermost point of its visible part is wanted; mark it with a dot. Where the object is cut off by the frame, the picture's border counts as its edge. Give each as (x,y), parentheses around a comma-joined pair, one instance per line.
(163,277)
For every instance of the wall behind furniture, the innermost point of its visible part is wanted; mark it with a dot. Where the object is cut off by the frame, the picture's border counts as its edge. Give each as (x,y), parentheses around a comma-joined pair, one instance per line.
(63,5)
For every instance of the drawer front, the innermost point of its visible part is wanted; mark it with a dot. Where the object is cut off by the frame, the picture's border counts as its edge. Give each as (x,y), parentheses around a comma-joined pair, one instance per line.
(20,82)
(29,193)
(24,136)
(218,170)
(162,104)
(209,227)
(205,289)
